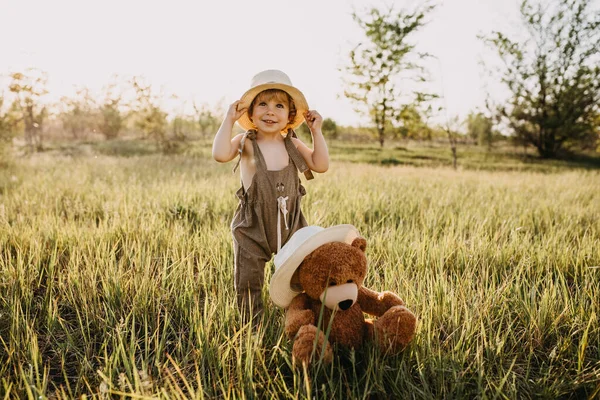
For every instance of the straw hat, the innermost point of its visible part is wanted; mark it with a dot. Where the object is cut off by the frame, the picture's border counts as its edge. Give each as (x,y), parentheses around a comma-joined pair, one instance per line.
(303,242)
(272,79)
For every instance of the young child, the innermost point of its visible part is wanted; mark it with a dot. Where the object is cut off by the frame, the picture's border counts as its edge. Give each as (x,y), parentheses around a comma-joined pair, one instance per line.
(269,211)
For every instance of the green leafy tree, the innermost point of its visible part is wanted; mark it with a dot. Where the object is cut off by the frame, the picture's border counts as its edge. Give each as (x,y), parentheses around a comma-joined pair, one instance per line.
(479,128)
(413,123)
(329,128)
(304,133)
(598,133)
(379,64)
(553,76)
(29,88)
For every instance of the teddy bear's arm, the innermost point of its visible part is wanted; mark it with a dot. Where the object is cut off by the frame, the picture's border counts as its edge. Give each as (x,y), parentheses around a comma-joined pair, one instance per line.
(298,314)
(377,303)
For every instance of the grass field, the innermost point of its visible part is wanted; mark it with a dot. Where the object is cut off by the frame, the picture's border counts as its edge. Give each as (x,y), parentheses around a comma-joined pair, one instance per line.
(116,276)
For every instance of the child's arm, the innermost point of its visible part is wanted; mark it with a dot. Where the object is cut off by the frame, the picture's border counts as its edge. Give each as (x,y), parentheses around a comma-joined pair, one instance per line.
(317,159)
(224,147)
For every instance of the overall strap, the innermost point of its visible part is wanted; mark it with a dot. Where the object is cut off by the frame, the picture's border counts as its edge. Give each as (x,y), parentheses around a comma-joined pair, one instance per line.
(252,134)
(296,156)
(259,159)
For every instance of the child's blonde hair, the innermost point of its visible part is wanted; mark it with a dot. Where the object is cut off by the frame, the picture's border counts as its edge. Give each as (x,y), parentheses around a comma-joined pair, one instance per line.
(278,95)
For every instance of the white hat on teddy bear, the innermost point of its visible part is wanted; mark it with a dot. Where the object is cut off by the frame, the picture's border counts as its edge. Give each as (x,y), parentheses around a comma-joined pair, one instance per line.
(303,242)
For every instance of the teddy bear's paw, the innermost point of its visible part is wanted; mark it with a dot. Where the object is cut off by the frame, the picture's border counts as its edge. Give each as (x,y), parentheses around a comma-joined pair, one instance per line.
(304,346)
(395,329)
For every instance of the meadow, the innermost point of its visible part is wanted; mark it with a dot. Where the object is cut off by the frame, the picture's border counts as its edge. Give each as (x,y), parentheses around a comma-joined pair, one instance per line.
(116,276)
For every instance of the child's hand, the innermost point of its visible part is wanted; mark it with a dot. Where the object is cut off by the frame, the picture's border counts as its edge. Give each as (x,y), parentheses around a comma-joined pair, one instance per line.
(233,113)
(313,120)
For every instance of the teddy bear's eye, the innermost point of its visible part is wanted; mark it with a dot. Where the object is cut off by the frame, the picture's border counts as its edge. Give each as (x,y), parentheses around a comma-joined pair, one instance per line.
(331,283)
(350,281)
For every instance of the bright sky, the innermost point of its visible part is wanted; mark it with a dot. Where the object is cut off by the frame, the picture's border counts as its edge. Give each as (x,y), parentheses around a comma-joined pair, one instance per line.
(209,50)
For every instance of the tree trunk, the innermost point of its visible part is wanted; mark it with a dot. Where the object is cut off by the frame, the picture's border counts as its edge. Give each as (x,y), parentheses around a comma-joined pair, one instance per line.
(454,156)
(380,121)
(547,147)
(452,141)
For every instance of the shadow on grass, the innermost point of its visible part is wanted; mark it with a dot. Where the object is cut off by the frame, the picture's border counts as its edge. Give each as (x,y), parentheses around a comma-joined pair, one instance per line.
(579,160)
(391,161)
(469,158)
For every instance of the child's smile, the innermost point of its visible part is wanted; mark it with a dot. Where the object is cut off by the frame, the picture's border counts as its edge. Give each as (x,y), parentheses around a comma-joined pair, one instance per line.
(270,116)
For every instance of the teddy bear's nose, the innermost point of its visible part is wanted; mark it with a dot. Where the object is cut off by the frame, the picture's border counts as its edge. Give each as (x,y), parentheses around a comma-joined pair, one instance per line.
(344,305)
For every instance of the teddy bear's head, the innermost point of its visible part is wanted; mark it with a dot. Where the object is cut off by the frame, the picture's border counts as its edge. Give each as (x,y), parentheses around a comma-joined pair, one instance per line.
(333,273)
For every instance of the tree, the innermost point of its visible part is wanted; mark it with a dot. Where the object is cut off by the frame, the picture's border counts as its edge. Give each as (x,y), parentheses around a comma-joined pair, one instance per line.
(597,140)
(112,118)
(208,122)
(553,76)
(78,113)
(303,133)
(413,123)
(182,123)
(377,65)
(329,128)
(150,118)
(29,89)
(479,128)
(452,129)
(8,123)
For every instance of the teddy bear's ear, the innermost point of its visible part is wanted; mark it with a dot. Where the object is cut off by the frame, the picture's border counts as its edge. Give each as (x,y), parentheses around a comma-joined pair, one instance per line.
(359,242)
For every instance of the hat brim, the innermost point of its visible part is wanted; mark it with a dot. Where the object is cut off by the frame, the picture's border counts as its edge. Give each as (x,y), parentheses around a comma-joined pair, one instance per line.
(299,101)
(280,288)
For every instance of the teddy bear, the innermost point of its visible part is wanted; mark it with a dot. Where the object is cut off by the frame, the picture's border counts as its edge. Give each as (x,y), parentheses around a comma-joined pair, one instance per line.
(318,279)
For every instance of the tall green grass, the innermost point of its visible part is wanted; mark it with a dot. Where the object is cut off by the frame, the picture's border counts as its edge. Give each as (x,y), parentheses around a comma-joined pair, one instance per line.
(116,280)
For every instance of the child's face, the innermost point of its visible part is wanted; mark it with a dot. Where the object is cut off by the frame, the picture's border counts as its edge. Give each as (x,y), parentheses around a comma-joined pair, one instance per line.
(270,112)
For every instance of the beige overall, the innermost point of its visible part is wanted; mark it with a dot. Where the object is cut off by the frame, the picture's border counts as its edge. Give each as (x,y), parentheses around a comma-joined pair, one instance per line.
(266,217)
